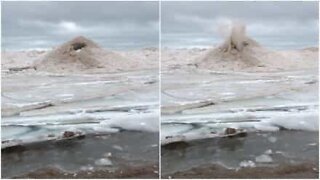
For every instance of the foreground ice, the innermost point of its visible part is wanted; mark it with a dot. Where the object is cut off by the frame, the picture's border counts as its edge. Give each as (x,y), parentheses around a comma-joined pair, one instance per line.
(44,106)
(203,104)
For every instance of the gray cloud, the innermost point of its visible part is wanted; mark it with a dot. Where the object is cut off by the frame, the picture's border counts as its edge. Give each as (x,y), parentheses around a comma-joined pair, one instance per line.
(115,25)
(119,25)
(274,24)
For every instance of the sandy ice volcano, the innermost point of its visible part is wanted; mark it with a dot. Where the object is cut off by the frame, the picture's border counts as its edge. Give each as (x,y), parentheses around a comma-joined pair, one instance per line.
(82,54)
(239,52)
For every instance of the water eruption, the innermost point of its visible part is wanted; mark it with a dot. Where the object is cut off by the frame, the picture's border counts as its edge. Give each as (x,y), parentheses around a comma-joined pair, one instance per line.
(238,51)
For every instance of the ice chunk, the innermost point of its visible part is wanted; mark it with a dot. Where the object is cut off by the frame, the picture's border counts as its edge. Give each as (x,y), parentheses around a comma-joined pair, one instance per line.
(272,139)
(247,164)
(140,122)
(312,144)
(264,158)
(297,121)
(108,154)
(103,162)
(266,127)
(117,147)
(87,168)
(269,151)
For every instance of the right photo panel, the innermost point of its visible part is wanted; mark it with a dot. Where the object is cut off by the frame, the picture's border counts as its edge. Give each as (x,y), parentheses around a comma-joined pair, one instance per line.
(239,89)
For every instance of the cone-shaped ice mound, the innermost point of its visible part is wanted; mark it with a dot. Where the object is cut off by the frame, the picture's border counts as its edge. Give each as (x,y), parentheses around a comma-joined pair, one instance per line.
(237,51)
(81,54)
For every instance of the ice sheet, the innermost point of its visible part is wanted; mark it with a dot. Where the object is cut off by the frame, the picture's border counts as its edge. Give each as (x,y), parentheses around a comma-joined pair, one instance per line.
(49,105)
(198,105)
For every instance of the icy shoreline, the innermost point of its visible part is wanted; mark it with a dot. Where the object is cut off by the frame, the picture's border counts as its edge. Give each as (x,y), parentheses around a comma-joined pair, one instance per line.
(41,106)
(200,105)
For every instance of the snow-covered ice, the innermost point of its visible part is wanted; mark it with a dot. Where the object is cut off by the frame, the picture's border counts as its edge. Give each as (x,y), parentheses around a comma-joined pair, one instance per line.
(252,101)
(39,106)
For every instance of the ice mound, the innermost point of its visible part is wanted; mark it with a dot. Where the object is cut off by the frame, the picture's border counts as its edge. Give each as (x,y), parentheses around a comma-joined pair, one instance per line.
(237,51)
(81,54)
(240,52)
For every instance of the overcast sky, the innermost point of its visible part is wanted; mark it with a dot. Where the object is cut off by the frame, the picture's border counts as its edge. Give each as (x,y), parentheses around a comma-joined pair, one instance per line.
(123,25)
(115,25)
(273,24)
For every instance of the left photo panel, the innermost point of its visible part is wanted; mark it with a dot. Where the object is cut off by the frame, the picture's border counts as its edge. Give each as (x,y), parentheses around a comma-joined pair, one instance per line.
(80,89)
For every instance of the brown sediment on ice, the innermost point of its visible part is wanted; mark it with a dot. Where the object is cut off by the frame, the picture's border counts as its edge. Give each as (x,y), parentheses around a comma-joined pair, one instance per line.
(304,170)
(142,172)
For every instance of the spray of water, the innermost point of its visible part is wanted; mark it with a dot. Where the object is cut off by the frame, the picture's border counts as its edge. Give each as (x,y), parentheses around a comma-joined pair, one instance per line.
(236,38)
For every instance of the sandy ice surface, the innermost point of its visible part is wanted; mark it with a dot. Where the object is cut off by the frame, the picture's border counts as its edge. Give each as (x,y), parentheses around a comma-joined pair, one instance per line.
(38,105)
(201,103)
(243,119)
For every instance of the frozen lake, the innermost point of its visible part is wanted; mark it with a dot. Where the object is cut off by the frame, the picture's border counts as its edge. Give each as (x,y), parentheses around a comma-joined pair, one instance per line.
(202,104)
(275,111)
(50,108)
